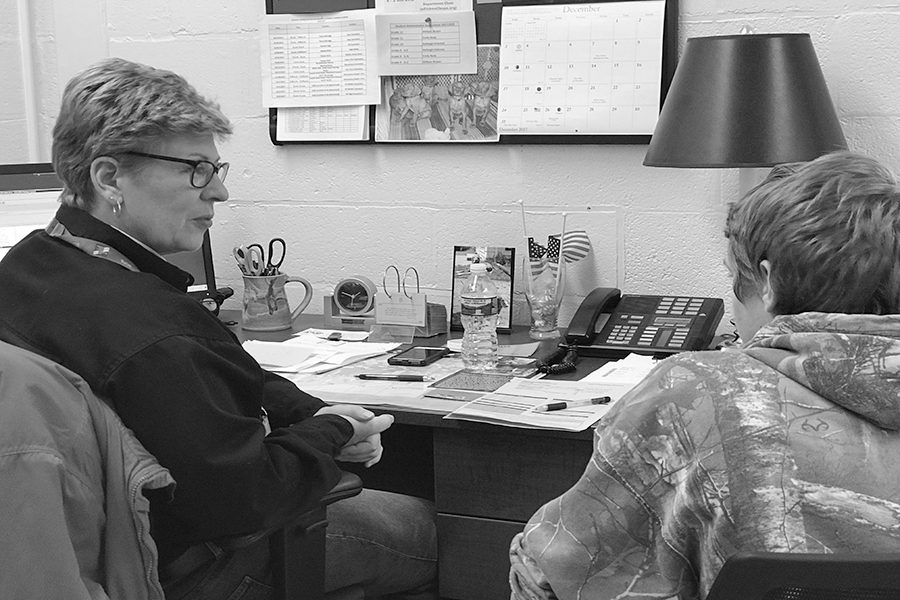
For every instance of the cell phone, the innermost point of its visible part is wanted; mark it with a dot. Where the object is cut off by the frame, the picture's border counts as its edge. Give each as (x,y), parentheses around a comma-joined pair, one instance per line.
(418,356)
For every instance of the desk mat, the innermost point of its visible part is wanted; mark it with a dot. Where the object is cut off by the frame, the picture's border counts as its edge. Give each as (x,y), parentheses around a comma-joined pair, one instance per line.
(474,381)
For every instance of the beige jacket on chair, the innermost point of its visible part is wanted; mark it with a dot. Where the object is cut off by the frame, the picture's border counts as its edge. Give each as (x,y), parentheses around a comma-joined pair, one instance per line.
(74,522)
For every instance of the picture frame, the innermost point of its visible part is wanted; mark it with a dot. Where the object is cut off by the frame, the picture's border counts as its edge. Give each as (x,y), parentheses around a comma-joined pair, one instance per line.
(501,263)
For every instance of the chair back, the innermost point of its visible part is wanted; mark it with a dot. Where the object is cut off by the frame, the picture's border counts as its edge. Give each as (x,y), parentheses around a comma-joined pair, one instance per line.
(783,576)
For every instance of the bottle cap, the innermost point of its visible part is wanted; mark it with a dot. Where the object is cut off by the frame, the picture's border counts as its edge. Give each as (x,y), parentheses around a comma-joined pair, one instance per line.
(478,268)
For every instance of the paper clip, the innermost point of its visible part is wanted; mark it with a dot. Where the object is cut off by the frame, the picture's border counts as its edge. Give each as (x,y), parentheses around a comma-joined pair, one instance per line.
(384,280)
(405,275)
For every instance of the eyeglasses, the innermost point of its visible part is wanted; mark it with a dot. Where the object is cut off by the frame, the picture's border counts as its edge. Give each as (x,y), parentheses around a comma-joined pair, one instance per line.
(203,169)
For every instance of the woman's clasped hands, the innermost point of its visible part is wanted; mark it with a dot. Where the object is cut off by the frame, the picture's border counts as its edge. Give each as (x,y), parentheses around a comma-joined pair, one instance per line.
(365,445)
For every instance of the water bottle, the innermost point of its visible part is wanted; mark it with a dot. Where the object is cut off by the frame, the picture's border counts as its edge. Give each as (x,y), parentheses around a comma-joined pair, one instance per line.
(479,312)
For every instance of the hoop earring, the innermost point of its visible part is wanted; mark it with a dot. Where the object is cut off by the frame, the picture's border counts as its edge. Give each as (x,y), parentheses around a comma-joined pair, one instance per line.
(117,207)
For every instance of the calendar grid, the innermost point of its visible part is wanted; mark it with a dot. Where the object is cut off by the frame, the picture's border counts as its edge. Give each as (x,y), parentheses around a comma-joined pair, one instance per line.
(581,69)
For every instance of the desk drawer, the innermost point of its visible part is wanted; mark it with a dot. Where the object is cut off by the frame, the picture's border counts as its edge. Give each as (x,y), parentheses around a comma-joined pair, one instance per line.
(474,557)
(503,474)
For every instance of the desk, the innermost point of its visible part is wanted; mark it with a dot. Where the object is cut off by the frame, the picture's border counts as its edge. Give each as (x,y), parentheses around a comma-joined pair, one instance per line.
(485,480)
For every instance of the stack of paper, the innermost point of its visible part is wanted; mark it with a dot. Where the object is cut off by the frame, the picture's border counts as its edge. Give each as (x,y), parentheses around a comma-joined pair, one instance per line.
(519,402)
(623,374)
(308,353)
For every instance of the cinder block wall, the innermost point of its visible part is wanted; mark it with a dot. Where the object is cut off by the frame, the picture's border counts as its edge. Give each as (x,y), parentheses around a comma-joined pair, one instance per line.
(355,209)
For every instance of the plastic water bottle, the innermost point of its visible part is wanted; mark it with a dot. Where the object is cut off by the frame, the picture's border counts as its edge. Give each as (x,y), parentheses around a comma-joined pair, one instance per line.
(479,312)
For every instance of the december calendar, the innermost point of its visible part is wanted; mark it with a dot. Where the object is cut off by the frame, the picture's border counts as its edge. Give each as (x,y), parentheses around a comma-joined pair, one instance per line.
(581,69)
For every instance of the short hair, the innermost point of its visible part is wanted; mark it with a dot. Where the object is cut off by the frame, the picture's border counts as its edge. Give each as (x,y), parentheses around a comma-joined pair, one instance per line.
(116,106)
(830,229)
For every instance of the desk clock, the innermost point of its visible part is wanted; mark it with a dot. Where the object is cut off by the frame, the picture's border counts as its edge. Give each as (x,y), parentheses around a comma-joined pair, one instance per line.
(352,306)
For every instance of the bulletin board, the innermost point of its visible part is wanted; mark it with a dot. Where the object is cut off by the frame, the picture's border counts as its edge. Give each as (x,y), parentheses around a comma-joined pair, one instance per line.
(489,18)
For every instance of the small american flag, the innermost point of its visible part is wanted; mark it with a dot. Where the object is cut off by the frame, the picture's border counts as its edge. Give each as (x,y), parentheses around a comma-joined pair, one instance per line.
(575,245)
(553,249)
(535,250)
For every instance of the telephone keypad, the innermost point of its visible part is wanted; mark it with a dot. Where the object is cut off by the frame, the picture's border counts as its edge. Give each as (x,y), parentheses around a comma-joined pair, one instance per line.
(659,324)
(670,305)
(622,334)
(668,326)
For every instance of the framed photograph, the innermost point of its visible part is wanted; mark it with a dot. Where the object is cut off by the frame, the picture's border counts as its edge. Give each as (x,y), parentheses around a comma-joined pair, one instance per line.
(501,263)
(442,108)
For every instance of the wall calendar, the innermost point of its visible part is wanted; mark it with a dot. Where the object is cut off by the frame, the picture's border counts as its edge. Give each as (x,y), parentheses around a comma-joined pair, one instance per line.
(581,69)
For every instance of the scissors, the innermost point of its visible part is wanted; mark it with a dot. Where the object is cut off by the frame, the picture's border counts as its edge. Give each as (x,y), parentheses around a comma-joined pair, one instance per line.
(271,265)
(249,259)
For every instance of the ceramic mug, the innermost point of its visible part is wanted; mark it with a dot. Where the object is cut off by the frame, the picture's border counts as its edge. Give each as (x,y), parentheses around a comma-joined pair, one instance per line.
(266,305)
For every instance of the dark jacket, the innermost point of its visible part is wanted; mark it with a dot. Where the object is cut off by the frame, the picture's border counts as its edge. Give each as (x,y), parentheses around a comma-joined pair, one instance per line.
(177,377)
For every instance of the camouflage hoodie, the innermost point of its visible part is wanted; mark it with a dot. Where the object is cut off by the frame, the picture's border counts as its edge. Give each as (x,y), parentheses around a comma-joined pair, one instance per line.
(788,444)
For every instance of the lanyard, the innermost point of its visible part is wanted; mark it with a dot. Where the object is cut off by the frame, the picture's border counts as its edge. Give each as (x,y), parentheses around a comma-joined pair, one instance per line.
(89,246)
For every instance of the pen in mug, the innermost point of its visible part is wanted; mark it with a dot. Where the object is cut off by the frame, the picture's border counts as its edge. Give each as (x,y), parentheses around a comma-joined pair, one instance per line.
(392,377)
(562,405)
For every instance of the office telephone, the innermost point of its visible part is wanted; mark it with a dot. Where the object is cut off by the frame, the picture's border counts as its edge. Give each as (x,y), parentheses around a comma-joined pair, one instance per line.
(610,324)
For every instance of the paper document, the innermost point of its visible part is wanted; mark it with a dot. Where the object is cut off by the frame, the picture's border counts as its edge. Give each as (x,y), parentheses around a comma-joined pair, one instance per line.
(319,59)
(342,386)
(629,371)
(441,43)
(331,334)
(421,5)
(307,353)
(316,123)
(515,403)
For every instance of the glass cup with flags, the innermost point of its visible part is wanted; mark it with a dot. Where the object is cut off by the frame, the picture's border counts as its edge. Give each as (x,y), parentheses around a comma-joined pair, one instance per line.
(544,287)
(545,277)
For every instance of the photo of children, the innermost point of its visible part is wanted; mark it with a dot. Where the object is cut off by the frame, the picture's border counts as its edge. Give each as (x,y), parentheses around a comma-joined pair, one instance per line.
(445,108)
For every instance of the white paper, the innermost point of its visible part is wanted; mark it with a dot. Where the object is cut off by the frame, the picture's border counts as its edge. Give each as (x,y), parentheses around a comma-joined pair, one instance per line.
(345,336)
(317,123)
(401,309)
(580,69)
(307,353)
(514,403)
(343,387)
(630,370)
(421,5)
(522,350)
(426,43)
(319,59)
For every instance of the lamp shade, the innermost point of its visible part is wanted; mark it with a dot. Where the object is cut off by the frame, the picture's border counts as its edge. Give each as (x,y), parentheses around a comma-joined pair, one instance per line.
(749,100)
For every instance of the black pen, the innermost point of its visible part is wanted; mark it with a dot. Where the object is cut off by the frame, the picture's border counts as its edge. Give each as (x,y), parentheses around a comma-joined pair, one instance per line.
(562,405)
(391,377)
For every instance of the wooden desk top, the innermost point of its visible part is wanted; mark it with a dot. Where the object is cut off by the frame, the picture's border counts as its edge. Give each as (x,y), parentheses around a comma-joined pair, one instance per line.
(411,416)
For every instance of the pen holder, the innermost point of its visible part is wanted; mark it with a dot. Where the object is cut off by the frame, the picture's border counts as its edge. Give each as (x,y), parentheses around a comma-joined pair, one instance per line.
(265,305)
(435,320)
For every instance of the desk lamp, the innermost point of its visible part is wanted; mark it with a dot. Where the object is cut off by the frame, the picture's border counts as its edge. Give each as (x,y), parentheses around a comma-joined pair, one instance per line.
(745,101)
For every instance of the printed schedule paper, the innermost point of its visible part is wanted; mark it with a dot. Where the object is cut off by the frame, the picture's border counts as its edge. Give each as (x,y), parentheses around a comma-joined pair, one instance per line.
(319,59)
(421,5)
(439,43)
(319,123)
(581,69)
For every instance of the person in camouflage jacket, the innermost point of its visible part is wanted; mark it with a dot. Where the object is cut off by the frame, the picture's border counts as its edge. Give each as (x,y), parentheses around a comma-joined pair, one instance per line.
(787,443)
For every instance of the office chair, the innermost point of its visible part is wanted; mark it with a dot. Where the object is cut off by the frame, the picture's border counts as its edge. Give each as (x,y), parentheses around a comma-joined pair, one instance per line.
(298,549)
(783,576)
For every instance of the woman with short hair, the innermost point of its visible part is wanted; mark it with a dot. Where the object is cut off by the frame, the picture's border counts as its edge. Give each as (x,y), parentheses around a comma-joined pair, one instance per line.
(136,149)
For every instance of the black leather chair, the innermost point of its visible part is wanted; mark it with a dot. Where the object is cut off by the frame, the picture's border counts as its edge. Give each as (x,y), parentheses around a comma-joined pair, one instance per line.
(298,549)
(782,576)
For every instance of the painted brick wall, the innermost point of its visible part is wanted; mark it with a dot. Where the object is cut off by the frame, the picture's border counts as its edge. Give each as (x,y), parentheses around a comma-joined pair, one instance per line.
(355,209)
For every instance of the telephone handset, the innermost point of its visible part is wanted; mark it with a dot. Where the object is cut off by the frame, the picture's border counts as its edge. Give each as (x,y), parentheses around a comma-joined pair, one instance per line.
(657,325)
